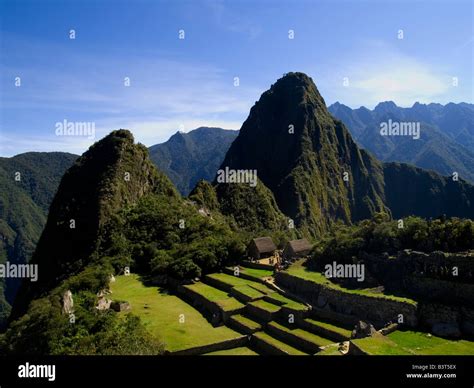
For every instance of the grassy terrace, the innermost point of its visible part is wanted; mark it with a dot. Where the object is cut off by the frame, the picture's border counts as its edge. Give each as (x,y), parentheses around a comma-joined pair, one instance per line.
(243,351)
(330,351)
(248,285)
(263,305)
(235,281)
(256,273)
(335,329)
(221,298)
(280,299)
(247,322)
(316,339)
(160,312)
(414,343)
(252,293)
(278,344)
(380,345)
(298,270)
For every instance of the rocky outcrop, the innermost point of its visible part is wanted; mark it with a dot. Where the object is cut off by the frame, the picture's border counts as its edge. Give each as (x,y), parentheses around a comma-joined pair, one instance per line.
(120,306)
(68,303)
(362,330)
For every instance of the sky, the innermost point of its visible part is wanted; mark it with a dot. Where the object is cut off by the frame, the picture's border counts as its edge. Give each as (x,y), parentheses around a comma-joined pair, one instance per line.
(128,66)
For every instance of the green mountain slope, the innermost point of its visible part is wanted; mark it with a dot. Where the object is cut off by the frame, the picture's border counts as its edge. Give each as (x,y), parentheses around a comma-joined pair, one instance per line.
(125,213)
(111,174)
(189,157)
(306,170)
(28,183)
(318,174)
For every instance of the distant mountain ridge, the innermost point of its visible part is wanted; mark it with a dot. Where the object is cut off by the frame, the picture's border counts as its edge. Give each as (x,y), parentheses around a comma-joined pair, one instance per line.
(188,157)
(446,143)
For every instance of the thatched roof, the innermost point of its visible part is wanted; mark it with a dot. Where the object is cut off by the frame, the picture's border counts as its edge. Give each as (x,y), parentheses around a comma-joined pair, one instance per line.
(298,246)
(264,244)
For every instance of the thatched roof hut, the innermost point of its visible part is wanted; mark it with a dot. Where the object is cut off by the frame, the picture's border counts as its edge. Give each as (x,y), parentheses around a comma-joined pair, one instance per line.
(297,248)
(261,247)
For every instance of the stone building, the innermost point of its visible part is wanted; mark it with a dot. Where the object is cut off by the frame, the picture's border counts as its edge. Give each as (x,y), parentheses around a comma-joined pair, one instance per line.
(296,249)
(261,248)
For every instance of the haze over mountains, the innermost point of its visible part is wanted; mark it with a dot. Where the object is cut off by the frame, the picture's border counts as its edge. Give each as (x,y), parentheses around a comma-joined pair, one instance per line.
(189,157)
(446,142)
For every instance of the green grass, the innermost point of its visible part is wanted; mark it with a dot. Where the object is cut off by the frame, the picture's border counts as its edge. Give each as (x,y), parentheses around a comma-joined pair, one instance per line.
(306,335)
(256,272)
(269,307)
(284,301)
(380,345)
(278,344)
(330,351)
(235,281)
(221,298)
(160,312)
(247,322)
(231,280)
(280,298)
(248,291)
(335,329)
(262,288)
(421,343)
(243,351)
(298,270)
(414,343)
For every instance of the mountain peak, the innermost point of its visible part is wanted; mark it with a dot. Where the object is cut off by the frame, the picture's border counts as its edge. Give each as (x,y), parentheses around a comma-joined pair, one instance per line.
(298,150)
(296,78)
(114,173)
(385,106)
(295,81)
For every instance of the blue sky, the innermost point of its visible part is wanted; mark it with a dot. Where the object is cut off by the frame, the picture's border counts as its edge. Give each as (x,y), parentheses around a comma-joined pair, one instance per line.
(185,83)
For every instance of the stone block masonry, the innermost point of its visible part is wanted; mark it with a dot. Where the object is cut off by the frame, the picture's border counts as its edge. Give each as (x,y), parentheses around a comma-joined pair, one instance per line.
(377,310)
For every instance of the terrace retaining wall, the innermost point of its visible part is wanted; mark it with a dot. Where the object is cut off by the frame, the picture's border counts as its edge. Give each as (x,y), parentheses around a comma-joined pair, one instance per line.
(260,314)
(265,347)
(427,275)
(214,347)
(217,283)
(294,340)
(377,310)
(216,314)
(258,265)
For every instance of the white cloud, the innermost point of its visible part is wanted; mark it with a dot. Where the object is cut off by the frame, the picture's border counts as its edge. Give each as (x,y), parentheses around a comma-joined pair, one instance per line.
(163,96)
(233,21)
(151,132)
(382,73)
(158,130)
